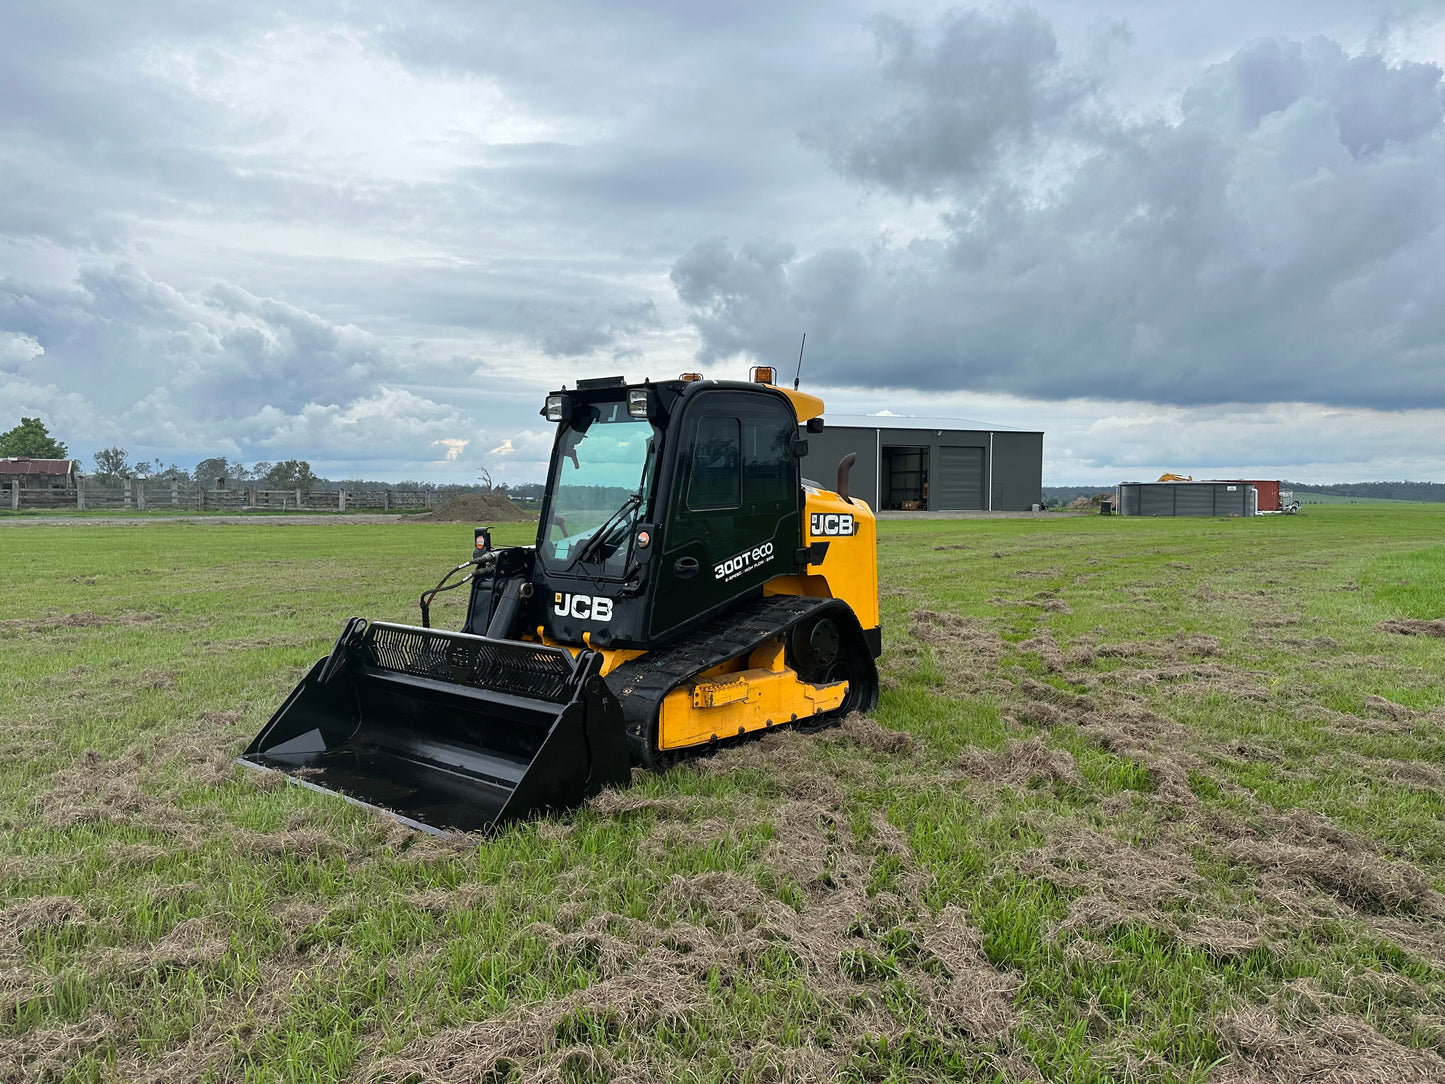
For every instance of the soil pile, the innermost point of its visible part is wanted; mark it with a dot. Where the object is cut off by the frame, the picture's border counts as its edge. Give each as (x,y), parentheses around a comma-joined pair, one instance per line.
(480,508)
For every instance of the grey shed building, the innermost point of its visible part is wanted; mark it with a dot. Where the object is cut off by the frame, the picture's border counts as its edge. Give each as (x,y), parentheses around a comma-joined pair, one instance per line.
(936,464)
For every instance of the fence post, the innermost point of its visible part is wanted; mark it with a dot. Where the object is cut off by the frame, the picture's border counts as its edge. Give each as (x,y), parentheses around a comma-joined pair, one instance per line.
(15,495)
(251,497)
(341,500)
(201,499)
(386,500)
(298,500)
(125,485)
(140,494)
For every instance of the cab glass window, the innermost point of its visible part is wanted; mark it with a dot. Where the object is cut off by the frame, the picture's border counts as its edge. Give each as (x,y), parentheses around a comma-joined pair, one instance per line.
(716,478)
(768,456)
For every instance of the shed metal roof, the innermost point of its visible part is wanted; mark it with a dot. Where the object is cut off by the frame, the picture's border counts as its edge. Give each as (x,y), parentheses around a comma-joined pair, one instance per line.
(24,465)
(908,421)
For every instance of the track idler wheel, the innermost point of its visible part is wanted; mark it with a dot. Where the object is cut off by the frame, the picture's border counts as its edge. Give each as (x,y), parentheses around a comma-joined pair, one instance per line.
(815,647)
(821,655)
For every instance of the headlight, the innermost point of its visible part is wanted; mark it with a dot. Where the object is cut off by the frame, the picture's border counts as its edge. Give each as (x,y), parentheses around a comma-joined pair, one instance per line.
(637,402)
(556,408)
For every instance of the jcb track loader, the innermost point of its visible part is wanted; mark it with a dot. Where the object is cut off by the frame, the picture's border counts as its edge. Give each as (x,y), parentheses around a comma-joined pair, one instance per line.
(686,587)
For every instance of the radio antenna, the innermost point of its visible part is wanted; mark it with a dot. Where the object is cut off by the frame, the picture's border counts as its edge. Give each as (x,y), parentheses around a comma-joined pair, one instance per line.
(799,374)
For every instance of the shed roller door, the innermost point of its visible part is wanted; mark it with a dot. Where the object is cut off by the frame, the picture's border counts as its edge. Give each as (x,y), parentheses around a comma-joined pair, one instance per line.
(958,481)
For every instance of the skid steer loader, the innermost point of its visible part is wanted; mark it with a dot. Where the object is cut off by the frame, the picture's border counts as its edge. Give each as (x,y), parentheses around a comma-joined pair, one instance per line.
(686,587)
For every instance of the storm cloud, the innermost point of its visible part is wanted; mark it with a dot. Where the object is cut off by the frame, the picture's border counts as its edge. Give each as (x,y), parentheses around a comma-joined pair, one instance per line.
(1279,240)
(373,237)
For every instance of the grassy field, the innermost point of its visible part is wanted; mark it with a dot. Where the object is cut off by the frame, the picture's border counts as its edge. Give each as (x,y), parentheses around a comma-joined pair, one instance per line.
(1334,498)
(1145,799)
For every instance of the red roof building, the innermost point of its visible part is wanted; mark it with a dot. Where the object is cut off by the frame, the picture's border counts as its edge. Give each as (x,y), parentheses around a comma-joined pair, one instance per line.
(38,473)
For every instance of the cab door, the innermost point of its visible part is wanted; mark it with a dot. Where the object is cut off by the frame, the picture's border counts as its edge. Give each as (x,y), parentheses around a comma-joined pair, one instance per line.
(734,518)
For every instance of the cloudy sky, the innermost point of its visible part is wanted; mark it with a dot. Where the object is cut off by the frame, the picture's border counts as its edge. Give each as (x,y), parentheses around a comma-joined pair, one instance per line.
(1172,235)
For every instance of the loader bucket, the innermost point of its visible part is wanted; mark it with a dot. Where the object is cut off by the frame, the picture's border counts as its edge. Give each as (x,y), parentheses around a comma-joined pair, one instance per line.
(448,731)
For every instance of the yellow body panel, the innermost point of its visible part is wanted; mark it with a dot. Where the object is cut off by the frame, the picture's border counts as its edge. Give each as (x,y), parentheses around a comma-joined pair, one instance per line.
(723,703)
(807,406)
(849,570)
(612,657)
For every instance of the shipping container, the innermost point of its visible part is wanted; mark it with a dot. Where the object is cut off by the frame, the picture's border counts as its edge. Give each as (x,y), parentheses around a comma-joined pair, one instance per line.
(1268,492)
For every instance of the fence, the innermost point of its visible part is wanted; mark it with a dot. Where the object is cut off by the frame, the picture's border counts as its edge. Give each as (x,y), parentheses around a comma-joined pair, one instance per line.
(138,495)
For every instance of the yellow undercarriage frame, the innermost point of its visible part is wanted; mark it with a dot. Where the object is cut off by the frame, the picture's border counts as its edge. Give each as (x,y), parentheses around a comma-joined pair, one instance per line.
(736,697)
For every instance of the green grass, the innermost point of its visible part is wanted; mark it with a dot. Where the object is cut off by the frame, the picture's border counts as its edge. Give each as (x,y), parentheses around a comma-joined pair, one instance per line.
(1336,498)
(1162,775)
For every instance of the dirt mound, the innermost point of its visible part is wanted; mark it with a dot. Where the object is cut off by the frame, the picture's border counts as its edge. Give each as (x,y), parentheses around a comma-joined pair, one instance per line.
(480,508)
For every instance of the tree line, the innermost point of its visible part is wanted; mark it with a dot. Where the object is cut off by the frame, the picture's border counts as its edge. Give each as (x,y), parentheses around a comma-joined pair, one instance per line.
(1389,491)
(111,465)
(31,438)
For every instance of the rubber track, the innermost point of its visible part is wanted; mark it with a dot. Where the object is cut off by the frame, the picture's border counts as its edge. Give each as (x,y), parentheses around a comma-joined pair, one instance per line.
(642,683)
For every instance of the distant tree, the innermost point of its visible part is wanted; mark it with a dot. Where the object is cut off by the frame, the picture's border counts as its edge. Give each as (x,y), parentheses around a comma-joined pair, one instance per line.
(161,473)
(31,438)
(110,464)
(260,470)
(292,474)
(208,470)
(486,478)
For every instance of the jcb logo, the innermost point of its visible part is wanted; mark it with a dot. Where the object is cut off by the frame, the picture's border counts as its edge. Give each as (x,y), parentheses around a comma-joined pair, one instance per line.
(582,607)
(825,524)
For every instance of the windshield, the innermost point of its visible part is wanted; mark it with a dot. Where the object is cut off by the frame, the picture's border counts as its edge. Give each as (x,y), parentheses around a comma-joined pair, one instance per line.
(604,469)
